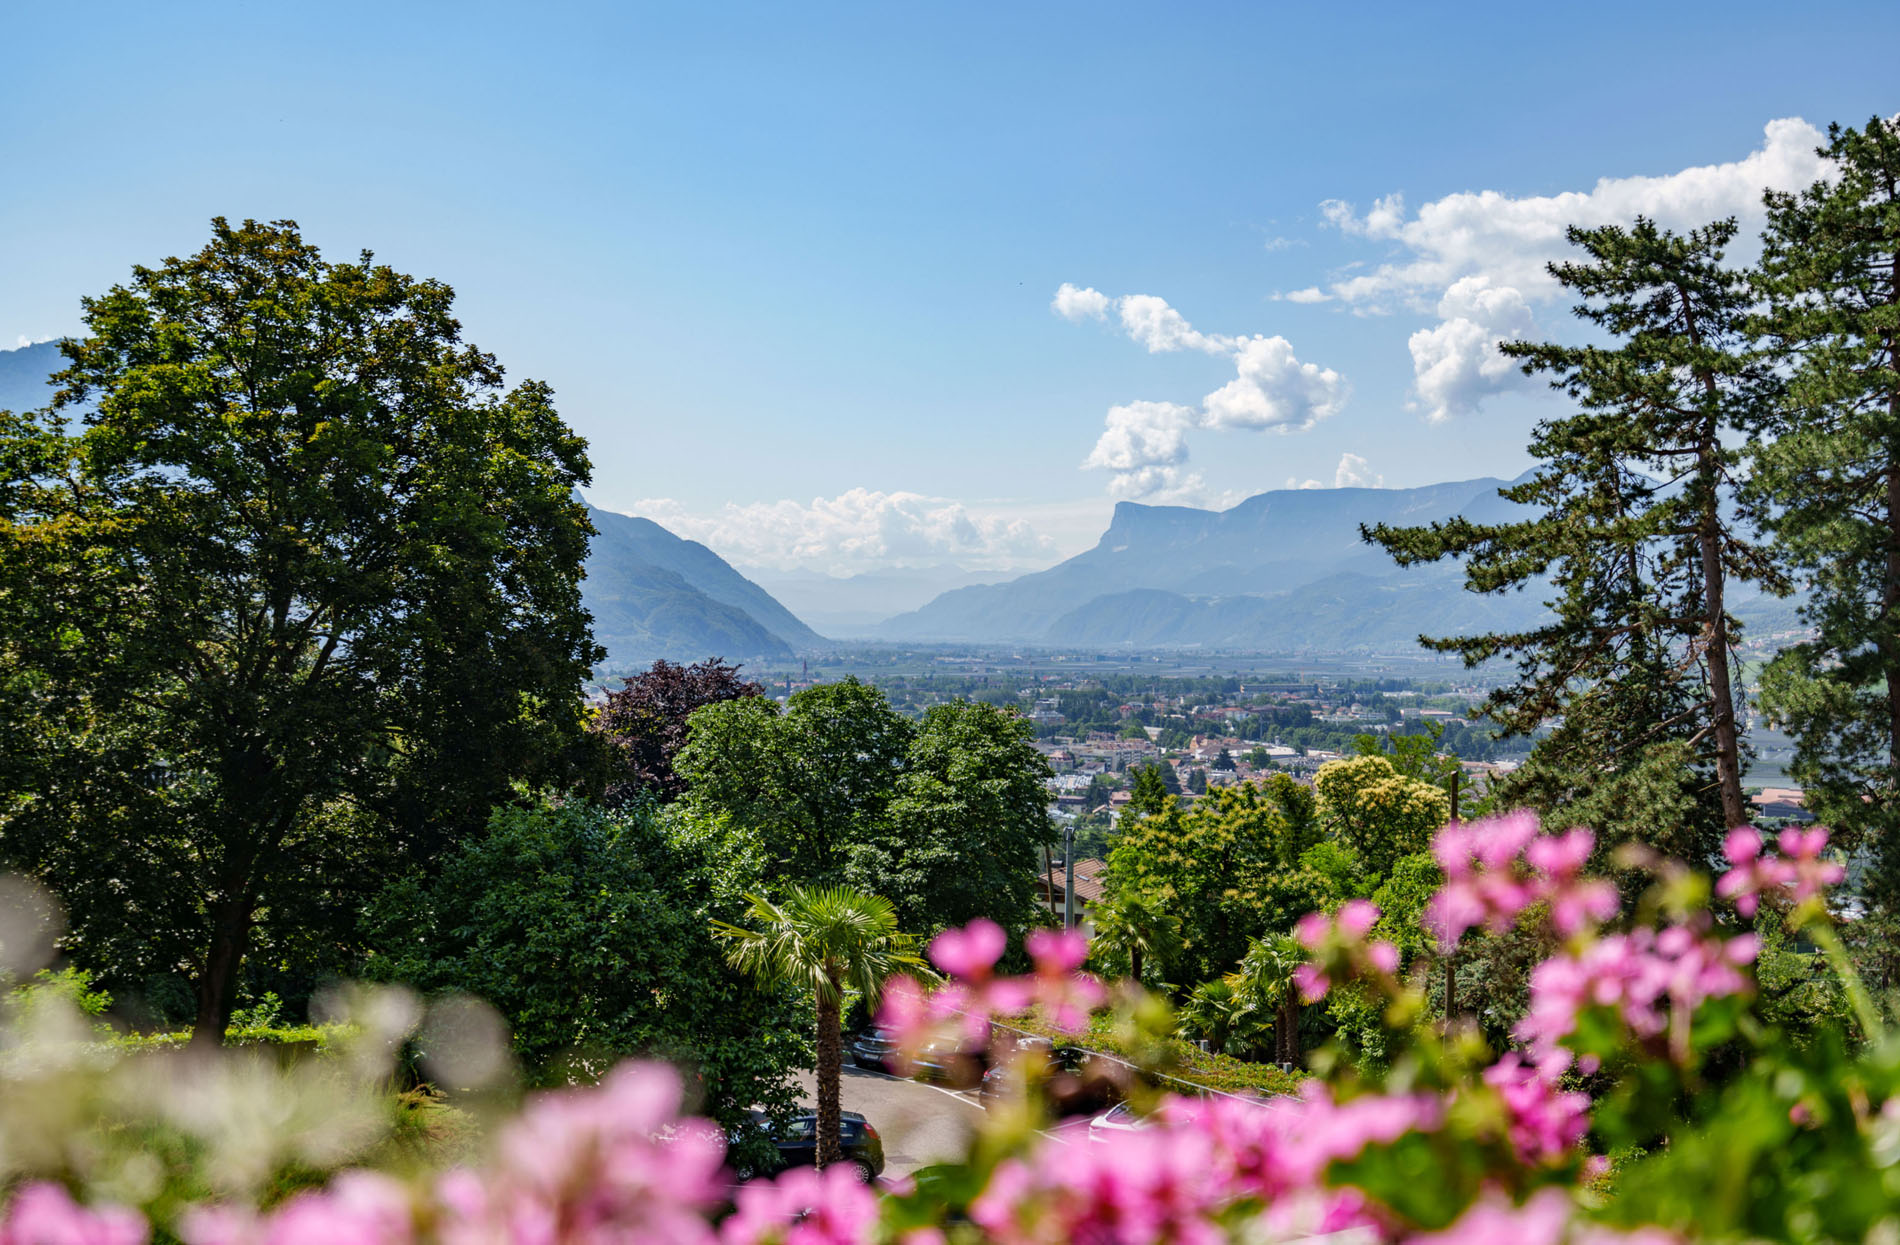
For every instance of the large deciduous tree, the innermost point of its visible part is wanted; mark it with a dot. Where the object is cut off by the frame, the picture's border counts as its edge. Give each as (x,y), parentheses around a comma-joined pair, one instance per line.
(1229,870)
(963,834)
(307,588)
(1830,482)
(590,932)
(1378,812)
(645,722)
(811,780)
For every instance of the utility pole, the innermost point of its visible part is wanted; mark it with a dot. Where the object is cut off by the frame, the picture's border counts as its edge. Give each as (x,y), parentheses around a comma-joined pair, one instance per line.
(1451,961)
(1068,892)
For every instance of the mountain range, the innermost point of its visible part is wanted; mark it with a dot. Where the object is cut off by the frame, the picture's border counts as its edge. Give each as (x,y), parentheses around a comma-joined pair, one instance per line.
(23,374)
(854,605)
(1282,571)
(654,594)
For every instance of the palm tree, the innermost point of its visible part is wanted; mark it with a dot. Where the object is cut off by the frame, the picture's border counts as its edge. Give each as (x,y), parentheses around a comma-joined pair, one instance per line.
(1137,926)
(1209,1013)
(1264,989)
(825,939)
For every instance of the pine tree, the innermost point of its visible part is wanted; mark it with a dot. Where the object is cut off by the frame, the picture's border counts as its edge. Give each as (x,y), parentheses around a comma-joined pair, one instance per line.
(1829,486)
(1635,522)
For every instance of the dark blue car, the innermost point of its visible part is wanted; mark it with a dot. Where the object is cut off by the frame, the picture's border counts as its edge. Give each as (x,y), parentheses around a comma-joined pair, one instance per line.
(797,1144)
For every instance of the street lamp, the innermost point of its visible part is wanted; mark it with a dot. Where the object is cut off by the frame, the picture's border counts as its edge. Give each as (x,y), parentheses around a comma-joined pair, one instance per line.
(1068,889)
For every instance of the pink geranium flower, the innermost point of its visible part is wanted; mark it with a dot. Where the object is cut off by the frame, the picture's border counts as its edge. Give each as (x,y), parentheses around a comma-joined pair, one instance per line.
(45,1214)
(970,952)
(1796,875)
(1496,868)
(804,1206)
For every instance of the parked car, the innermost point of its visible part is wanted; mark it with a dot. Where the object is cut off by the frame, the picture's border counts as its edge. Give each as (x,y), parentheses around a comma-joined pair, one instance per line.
(958,1064)
(1078,1083)
(1058,1060)
(1120,1118)
(797,1144)
(875,1049)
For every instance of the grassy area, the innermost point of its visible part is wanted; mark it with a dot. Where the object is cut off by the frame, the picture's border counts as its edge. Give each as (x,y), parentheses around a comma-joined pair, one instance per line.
(1166,1057)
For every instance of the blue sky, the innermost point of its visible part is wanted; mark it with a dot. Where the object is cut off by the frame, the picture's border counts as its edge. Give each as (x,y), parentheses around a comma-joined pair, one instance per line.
(791,268)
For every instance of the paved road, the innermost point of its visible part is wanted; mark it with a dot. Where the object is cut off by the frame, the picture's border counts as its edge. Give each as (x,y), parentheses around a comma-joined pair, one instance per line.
(920,1124)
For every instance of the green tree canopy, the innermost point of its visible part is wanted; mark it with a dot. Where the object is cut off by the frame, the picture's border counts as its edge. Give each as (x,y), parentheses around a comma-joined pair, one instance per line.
(1219,869)
(812,780)
(1147,795)
(1377,811)
(963,834)
(1829,484)
(589,931)
(328,578)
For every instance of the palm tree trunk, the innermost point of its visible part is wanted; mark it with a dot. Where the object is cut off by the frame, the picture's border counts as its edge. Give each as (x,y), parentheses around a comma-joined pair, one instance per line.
(1134,962)
(830,1071)
(1288,1026)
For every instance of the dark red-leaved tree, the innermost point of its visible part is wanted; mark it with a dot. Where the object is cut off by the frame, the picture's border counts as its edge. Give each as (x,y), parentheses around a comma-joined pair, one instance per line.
(645,722)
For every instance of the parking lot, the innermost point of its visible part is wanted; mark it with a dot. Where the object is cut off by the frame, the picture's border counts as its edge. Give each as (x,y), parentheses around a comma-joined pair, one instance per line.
(920,1124)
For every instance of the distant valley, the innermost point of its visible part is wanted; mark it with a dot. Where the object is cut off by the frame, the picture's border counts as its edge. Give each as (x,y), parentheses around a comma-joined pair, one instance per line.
(853,606)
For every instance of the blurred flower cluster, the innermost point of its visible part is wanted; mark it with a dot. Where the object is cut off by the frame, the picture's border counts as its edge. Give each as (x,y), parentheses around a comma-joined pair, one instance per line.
(1642,1102)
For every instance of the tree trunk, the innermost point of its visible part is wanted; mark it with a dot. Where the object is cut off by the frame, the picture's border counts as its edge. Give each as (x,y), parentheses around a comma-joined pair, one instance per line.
(1134,962)
(1728,752)
(217,985)
(1288,1030)
(1451,987)
(830,1071)
(1890,611)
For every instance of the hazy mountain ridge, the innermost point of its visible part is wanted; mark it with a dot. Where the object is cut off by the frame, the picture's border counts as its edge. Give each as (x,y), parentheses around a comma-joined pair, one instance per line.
(625,539)
(856,604)
(23,374)
(1283,569)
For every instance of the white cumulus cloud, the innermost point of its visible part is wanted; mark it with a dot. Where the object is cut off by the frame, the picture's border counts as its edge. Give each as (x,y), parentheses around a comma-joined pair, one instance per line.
(1274,389)
(1143,434)
(1456,364)
(1478,258)
(1145,443)
(1159,327)
(1073,304)
(1353,472)
(857,530)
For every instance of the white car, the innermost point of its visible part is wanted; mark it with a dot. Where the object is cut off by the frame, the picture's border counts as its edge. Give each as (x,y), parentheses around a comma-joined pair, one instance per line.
(1120,1118)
